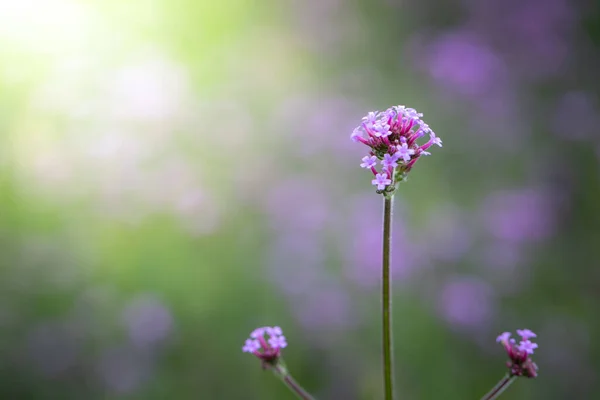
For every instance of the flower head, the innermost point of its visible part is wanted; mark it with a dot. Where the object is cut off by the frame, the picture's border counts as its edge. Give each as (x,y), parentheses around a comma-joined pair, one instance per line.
(266,344)
(520,363)
(392,136)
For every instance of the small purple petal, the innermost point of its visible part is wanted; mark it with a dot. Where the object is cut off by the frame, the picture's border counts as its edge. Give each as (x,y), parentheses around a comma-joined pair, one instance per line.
(404,152)
(251,346)
(274,331)
(278,342)
(381,181)
(526,334)
(369,162)
(258,332)
(503,337)
(527,346)
(390,160)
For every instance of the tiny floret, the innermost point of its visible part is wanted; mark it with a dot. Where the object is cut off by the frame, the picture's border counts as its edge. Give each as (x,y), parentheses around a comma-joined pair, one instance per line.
(404,152)
(526,334)
(381,181)
(391,137)
(503,337)
(390,161)
(369,162)
(278,342)
(251,346)
(434,139)
(527,346)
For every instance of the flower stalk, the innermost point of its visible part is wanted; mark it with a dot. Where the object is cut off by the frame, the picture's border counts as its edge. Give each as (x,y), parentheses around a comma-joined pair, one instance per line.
(281,372)
(500,387)
(386,300)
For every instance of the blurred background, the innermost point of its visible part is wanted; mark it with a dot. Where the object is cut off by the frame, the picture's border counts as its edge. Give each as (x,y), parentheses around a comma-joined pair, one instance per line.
(175,173)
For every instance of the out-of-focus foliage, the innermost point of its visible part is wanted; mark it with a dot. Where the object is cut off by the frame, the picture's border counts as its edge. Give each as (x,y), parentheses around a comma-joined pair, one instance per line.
(176,173)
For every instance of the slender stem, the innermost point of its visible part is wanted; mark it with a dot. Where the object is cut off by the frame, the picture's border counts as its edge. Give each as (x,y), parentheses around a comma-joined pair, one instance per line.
(499,388)
(291,383)
(386,307)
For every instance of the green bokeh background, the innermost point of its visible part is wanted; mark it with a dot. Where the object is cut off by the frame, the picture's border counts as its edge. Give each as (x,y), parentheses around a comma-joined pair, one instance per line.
(139,147)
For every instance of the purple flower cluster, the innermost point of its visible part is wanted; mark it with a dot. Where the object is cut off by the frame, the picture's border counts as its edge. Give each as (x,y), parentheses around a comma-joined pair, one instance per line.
(392,138)
(266,343)
(520,363)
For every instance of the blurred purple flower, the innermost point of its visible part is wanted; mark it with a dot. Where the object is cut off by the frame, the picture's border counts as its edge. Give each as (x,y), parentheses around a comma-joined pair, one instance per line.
(520,363)
(266,344)
(313,134)
(447,235)
(467,302)
(533,34)
(297,204)
(296,261)
(576,116)
(148,321)
(520,215)
(123,371)
(360,243)
(52,348)
(463,63)
(326,307)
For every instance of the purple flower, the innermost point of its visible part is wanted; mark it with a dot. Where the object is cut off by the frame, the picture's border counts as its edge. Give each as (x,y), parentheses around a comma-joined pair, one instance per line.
(392,136)
(527,346)
(381,181)
(526,334)
(390,161)
(368,162)
(503,337)
(520,363)
(404,152)
(267,350)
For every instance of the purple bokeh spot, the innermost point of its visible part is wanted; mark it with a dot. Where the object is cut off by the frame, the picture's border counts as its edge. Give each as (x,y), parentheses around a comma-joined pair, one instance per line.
(361,244)
(295,262)
(447,235)
(326,308)
(52,348)
(462,62)
(576,116)
(532,34)
(467,302)
(148,321)
(298,204)
(123,371)
(520,215)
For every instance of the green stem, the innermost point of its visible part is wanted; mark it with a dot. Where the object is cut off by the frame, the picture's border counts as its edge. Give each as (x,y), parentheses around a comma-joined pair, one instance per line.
(500,387)
(386,299)
(291,383)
